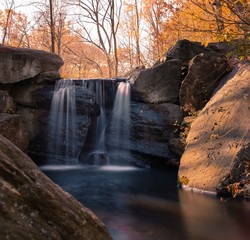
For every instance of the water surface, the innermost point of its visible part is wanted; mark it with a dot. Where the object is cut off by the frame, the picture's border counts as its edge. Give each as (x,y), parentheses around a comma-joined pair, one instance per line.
(145,204)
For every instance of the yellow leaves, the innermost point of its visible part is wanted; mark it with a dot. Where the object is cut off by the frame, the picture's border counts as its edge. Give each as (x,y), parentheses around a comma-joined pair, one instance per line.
(184,180)
(205,43)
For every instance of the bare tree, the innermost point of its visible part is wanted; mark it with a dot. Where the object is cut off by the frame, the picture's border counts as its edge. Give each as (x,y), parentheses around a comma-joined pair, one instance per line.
(99,21)
(52,26)
(137,34)
(51,19)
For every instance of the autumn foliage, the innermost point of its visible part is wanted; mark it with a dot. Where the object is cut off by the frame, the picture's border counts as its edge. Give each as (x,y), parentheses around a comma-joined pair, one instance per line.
(109,38)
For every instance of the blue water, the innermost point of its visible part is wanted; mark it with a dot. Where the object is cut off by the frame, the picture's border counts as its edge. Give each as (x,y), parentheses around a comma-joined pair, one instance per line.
(145,204)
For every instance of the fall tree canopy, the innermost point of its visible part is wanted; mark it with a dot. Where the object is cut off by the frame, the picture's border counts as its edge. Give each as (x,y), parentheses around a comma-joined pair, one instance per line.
(107,38)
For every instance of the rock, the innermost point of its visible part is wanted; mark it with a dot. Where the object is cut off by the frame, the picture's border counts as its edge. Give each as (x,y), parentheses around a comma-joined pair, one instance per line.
(151,131)
(31,95)
(237,182)
(184,50)
(133,74)
(159,84)
(33,207)
(12,127)
(171,113)
(7,105)
(48,76)
(17,64)
(38,120)
(31,118)
(177,146)
(219,134)
(204,75)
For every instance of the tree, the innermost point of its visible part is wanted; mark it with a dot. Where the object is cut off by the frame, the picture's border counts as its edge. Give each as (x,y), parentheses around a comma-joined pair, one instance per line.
(15,26)
(7,22)
(99,21)
(51,18)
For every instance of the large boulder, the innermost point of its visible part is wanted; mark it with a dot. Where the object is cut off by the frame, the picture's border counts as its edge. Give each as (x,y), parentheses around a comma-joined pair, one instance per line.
(159,84)
(204,75)
(184,50)
(17,64)
(219,139)
(33,207)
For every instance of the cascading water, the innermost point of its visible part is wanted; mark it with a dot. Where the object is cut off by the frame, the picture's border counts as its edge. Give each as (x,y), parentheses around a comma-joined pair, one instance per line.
(63,139)
(120,124)
(109,133)
(110,128)
(98,154)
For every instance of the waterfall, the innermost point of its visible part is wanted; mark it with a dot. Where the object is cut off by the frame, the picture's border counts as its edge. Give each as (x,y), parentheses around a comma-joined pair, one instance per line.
(108,136)
(109,131)
(120,123)
(98,154)
(63,137)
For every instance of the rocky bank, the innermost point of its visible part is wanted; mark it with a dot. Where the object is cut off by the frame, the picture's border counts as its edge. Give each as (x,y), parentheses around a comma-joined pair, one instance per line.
(198,87)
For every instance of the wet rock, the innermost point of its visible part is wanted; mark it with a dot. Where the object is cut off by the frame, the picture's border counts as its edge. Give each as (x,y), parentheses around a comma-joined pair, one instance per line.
(151,131)
(219,134)
(33,207)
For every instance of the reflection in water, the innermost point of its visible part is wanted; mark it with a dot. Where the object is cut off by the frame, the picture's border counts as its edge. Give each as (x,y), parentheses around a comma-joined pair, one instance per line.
(206,217)
(144,204)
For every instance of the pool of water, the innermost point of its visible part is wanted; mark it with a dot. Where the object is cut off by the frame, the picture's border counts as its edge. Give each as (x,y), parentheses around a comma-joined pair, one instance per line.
(145,204)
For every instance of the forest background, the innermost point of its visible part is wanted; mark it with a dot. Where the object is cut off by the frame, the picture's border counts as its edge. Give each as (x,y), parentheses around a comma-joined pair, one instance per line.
(108,38)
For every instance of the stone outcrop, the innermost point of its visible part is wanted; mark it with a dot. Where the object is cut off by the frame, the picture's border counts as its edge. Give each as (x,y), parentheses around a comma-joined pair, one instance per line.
(12,127)
(182,81)
(7,104)
(11,124)
(152,126)
(184,50)
(33,207)
(27,79)
(159,84)
(17,64)
(217,152)
(205,72)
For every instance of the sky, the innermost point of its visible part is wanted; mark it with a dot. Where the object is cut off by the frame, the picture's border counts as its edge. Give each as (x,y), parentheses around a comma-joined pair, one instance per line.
(20,6)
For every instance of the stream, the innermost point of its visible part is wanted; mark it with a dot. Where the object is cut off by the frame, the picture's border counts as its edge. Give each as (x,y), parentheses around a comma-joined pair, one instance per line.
(145,204)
